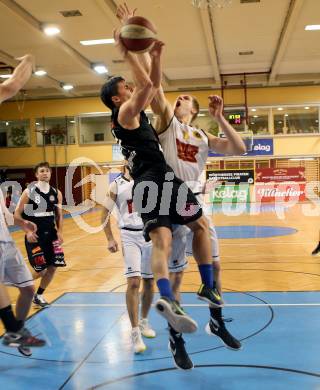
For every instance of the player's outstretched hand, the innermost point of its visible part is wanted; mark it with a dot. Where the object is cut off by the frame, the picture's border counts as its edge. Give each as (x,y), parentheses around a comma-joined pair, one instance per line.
(32,237)
(123,50)
(157,49)
(215,106)
(124,12)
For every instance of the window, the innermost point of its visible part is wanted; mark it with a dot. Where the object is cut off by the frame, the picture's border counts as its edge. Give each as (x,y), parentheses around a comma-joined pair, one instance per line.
(95,129)
(55,131)
(14,133)
(258,120)
(296,120)
(205,122)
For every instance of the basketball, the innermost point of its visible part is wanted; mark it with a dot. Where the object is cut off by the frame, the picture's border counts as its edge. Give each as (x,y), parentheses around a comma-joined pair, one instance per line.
(138,34)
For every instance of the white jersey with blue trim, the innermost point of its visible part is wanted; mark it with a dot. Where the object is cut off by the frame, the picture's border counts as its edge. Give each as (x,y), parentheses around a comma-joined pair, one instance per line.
(185,149)
(128,218)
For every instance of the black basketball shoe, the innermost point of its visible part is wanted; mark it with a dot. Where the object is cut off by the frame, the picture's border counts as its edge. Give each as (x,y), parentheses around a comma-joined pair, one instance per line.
(180,356)
(217,328)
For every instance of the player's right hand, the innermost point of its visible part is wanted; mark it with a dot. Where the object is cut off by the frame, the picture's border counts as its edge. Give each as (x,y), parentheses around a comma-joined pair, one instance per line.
(29,58)
(32,237)
(113,246)
(30,226)
(124,13)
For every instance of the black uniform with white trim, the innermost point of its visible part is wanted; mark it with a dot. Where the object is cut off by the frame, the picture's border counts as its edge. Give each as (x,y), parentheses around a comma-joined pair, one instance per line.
(146,163)
(41,210)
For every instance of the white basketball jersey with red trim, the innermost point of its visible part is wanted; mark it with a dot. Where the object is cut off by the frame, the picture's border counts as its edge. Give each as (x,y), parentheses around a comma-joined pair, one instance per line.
(127,218)
(185,149)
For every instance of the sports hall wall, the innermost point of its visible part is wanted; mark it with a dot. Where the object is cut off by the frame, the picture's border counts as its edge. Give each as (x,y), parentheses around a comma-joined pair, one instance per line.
(284,146)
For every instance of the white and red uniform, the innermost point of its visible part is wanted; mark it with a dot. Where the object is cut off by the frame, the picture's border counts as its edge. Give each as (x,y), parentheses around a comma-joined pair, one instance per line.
(13,269)
(186,151)
(136,251)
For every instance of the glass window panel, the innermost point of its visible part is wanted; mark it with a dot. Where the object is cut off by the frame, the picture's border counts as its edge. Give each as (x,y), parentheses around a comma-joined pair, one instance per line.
(15,133)
(55,131)
(95,129)
(296,120)
(258,120)
(205,122)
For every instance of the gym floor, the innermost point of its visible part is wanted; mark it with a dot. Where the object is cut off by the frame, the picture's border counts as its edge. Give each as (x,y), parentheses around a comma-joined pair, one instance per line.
(271,285)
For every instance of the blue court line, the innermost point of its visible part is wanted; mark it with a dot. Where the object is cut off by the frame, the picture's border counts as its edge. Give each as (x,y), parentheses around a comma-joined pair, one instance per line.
(90,347)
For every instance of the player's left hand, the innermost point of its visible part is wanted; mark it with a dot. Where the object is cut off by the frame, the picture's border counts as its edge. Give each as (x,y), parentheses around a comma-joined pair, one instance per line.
(157,48)
(215,106)
(124,12)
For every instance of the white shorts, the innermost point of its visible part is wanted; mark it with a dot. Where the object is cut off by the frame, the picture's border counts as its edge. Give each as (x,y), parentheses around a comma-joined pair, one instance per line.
(178,260)
(13,269)
(137,254)
(213,236)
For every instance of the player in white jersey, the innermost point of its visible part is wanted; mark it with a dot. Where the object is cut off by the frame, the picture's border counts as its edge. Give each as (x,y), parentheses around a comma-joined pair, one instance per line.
(136,253)
(13,270)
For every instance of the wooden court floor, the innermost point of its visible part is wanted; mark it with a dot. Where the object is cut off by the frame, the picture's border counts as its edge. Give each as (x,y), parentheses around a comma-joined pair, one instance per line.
(279,263)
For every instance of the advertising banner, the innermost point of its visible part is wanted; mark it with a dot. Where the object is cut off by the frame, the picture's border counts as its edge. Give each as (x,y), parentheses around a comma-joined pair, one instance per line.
(280,175)
(232,176)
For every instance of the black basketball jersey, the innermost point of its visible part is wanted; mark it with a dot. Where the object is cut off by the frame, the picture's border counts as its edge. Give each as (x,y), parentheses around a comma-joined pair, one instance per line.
(140,146)
(41,208)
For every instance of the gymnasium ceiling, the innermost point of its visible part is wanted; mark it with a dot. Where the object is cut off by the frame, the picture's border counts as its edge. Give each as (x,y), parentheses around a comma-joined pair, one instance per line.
(200,44)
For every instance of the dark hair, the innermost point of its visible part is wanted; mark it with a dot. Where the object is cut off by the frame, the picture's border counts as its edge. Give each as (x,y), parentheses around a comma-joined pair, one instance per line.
(110,89)
(196,106)
(43,164)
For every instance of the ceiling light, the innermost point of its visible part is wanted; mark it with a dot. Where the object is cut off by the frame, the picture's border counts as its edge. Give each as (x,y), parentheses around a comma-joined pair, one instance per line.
(92,42)
(252,123)
(7,123)
(279,122)
(40,72)
(5,76)
(67,87)
(286,114)
(307,108)
(280,109)
(100,68)
(253,109)
(72,121)
(37,123)
(51,30)
(255,116)
(312,27)
(201,114)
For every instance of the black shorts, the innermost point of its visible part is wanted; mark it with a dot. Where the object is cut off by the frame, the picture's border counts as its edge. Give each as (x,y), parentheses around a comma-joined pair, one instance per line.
(164,200)
(43,254)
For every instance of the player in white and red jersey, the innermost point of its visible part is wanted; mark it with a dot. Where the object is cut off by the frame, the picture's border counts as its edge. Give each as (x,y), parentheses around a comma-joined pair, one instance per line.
(137,255)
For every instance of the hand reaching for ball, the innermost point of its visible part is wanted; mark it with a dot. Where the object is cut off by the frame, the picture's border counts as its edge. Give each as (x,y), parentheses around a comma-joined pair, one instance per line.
(119,44)
(156,50)
(124,13)
(215,106)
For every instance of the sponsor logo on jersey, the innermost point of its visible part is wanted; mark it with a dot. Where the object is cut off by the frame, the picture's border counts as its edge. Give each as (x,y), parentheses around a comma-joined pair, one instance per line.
(52,198)
(187,152)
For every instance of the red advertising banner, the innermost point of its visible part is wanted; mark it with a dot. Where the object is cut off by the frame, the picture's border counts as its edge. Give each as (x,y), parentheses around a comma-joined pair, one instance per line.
(280,175)
(280,192)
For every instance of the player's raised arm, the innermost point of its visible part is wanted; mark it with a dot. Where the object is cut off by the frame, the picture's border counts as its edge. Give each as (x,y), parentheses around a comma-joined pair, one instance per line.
(20,76)
(233,143)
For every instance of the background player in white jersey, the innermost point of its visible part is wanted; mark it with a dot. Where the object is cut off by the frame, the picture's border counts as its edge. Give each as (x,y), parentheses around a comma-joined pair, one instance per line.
(136,254)
(13,270)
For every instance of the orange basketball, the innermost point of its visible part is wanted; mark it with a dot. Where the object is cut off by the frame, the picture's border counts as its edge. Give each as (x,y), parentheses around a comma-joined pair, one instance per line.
(138,34)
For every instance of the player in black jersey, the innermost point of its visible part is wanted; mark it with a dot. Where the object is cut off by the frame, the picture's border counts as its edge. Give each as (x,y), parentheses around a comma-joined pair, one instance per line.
(160,198)
(41,204)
